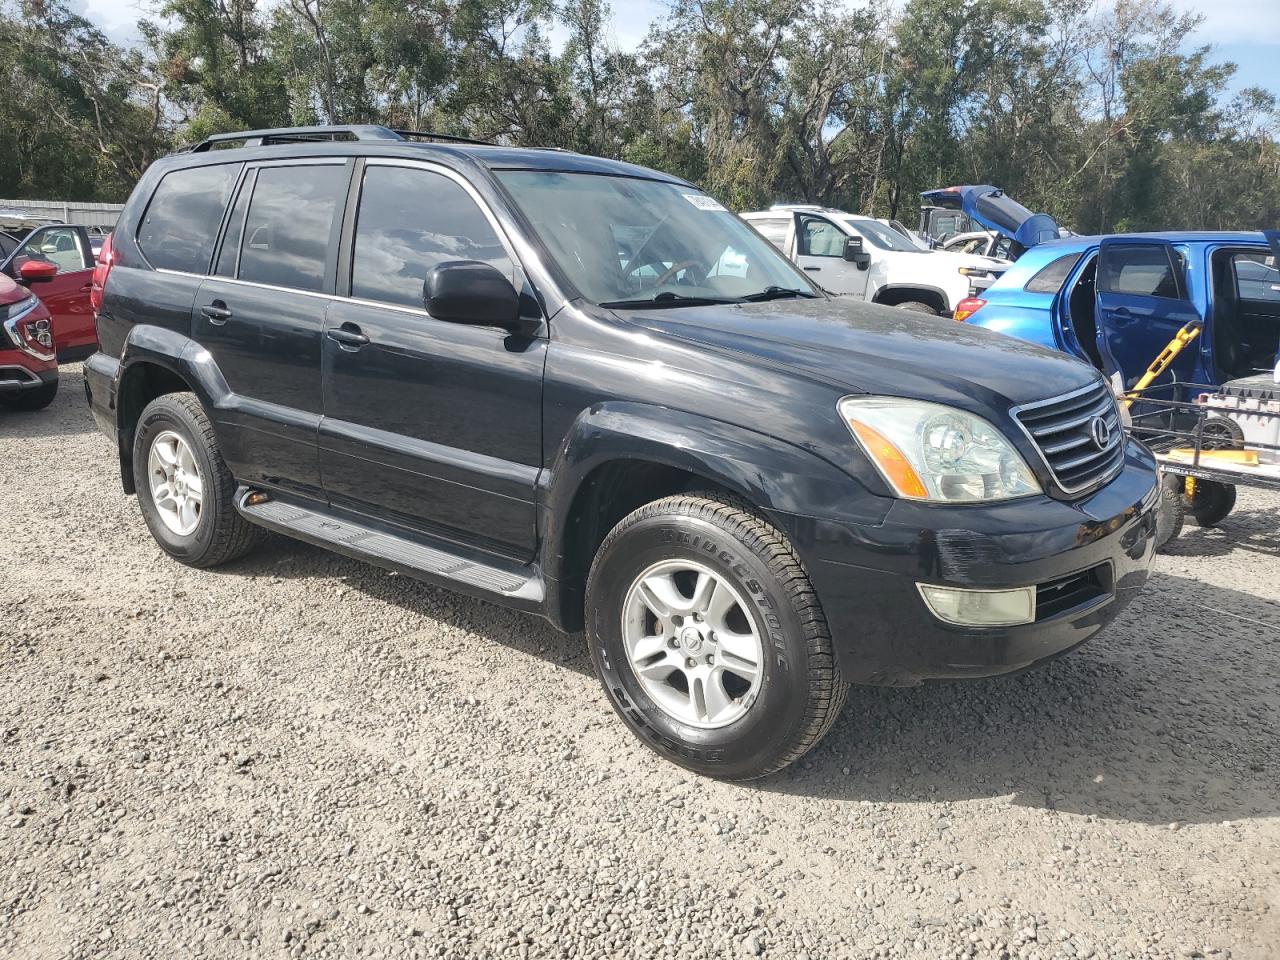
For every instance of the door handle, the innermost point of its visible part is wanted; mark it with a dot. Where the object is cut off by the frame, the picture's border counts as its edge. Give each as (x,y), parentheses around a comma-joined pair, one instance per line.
(813,269)
(86,288)
(348,337)
(217,312)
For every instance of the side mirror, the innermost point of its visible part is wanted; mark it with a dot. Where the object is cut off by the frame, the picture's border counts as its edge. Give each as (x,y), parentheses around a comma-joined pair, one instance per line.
(854,253)
(468,291)
(37,271)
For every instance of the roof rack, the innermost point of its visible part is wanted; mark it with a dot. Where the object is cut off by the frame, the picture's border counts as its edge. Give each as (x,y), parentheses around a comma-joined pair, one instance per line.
(353,131)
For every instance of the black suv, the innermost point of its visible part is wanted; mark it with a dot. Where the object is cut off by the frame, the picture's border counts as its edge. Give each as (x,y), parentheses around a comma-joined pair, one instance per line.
(586,390)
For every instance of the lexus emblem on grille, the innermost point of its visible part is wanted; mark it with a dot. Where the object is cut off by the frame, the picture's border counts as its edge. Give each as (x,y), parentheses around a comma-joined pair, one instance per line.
(1100,430)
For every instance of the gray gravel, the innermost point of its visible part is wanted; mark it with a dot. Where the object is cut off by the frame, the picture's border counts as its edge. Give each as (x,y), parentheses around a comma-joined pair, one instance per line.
(302,756)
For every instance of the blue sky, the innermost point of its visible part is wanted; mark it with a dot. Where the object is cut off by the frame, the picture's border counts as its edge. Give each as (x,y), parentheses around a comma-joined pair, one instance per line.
(1246,32)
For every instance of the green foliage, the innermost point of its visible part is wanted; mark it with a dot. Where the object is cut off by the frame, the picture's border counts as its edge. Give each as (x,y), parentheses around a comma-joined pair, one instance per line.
(1104,117)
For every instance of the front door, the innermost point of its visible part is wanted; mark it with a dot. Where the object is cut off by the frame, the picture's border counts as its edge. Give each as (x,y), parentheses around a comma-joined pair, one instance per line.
(66,296)
(433,425)
(1141,302)
(261,317)
(820,253)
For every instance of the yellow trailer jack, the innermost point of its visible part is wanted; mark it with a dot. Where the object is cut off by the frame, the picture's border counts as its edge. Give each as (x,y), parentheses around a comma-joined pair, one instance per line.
(1161,363)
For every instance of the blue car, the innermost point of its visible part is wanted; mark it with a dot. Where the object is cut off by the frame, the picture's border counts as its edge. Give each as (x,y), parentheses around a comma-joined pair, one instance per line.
(1116,301)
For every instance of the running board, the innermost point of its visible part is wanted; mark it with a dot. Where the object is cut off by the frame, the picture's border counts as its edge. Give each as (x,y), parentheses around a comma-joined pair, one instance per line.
(522,585)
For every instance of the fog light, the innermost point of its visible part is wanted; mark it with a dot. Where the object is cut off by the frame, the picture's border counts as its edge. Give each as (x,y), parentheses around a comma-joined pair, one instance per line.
(980,608)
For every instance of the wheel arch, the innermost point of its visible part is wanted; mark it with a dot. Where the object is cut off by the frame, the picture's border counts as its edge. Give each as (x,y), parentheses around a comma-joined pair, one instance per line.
(156,361)
(892,294)
(619,456)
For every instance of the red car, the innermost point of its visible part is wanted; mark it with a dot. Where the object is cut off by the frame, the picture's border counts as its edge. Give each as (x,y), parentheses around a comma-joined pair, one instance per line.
(28,364)
(65,293)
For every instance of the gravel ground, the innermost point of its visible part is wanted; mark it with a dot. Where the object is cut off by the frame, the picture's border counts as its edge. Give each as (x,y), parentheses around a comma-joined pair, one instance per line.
(299,755)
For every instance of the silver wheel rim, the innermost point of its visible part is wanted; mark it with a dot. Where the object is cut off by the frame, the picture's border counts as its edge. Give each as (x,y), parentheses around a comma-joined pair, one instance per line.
(692,644)
(177,488)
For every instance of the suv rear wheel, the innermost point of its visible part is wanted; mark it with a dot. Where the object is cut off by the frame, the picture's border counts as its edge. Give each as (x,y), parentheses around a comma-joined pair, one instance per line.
(184,487)
(708,637)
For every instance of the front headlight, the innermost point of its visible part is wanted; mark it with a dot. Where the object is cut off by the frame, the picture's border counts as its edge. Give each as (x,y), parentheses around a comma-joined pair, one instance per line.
(926,451)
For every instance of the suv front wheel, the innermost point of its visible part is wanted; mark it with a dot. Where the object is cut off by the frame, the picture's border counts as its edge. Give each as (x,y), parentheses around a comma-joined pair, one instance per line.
(708,638)
(184,487)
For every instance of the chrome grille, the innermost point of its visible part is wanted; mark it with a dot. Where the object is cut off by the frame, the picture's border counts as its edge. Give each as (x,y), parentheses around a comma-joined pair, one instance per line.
(1062,429)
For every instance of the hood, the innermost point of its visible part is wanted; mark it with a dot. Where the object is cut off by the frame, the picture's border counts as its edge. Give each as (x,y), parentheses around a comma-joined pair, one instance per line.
(11,292)
(990,207)
(865,348)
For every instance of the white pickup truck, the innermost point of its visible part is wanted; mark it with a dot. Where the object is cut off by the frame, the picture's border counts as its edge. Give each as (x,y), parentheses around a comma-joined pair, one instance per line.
(861,257)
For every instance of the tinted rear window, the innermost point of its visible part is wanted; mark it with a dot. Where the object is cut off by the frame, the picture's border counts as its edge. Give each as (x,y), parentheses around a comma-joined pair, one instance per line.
(181,222)
(286,232)
(1053,275)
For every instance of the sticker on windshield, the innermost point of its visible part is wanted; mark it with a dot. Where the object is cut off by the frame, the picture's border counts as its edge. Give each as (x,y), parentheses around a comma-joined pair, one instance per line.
(703,202)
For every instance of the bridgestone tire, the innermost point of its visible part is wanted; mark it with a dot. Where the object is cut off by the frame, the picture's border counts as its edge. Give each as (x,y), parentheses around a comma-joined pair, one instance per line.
(221,535)
(30,400)
(1170,514)
(1211,502)
(801,692)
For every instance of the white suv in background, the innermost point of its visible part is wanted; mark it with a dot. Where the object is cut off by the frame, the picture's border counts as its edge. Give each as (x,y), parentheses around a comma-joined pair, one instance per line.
(861,257)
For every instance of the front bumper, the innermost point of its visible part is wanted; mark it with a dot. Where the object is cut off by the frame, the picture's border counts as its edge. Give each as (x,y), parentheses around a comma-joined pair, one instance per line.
(20,372)
(1088,560)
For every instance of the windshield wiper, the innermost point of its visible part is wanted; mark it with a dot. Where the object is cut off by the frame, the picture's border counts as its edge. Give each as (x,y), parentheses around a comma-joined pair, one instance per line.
(776,293)
(668,299)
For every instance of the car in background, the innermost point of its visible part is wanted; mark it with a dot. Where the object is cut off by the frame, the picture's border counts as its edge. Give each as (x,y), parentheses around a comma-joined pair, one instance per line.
(952,212)
(984,243)
(861,257)
(68,248)
(28,364)
(1116,301)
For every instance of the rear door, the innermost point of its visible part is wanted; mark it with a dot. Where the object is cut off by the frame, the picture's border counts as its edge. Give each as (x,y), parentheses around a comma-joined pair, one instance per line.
(66,296)
(1141,302)
(820,254)
(261,317)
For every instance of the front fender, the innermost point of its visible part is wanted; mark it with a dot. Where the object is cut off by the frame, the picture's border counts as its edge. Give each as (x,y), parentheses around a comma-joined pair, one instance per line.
(775,476)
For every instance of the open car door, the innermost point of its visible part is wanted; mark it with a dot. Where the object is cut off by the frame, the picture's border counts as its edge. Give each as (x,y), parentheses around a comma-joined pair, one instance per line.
(1140,303)
(993,209)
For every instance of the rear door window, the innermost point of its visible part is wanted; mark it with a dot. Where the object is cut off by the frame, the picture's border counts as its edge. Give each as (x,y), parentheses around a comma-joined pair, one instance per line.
(1140,270)
(773,230)
(410,220)
(287,229)
(181,222)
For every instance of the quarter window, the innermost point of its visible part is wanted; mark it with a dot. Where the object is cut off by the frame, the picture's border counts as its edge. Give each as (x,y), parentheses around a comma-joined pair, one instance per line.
(821,238)
(180,225)
(410,221)
(286,232)
(1052,276)
(1138,270)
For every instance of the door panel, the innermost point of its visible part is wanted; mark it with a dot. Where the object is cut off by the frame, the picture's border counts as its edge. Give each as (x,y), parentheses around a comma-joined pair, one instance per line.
(1141,302)
(434,425)
(66,296)
(820,254)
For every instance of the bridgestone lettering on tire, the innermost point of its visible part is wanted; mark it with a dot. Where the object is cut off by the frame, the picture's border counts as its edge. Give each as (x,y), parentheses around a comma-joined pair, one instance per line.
(759,718)
(220,534)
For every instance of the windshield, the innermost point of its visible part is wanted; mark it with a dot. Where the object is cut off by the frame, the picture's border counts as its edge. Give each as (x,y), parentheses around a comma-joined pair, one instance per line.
(623,241)
(886,238)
